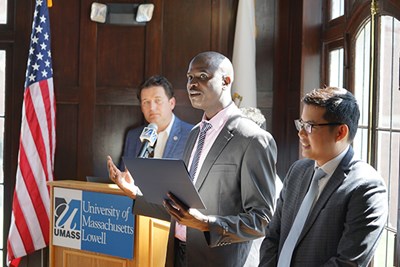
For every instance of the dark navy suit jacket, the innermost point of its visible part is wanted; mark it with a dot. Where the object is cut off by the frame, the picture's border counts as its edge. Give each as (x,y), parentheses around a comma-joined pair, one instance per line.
(345,224)
(173,148)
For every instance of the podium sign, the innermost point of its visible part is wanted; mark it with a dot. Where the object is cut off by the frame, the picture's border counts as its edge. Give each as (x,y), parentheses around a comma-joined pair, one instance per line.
(93,221)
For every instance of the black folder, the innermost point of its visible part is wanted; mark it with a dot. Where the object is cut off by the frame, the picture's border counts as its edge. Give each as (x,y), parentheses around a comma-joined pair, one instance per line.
(157,177)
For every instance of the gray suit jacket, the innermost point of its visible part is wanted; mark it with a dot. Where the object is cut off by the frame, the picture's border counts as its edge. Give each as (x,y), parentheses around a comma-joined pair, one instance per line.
(345,224)
(237,185)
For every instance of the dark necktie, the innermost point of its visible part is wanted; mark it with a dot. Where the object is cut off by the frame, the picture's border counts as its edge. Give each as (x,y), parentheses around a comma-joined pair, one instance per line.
(285,256)
(195,162)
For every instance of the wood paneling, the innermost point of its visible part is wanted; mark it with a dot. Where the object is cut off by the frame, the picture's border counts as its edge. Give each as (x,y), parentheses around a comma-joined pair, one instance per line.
(109,136)
(296,71)
(153,241)
(98,68)
(66,129)
(120,55)
(287,82)
(65,51)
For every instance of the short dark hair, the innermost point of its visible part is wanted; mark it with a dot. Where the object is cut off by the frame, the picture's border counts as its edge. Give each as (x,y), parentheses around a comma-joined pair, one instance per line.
(157,80)
(340,105)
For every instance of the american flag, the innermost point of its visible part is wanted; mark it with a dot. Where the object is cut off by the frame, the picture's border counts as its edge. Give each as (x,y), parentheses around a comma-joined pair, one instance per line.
(29,229)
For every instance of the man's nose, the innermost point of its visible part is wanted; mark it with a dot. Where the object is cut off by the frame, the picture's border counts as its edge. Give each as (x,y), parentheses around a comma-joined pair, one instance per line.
(153,105)
(302,132)
(192,83)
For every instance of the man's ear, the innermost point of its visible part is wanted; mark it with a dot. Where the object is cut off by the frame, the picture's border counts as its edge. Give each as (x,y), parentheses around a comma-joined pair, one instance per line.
(172,102)
(226,79)
(342,133)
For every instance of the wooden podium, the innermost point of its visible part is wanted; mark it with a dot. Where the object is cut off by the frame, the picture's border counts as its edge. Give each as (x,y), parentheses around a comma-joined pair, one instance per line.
(150,238)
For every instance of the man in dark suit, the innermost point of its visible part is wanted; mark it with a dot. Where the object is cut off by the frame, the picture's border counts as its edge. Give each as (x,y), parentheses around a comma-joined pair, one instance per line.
(235,176)
(349,209)
(157,102)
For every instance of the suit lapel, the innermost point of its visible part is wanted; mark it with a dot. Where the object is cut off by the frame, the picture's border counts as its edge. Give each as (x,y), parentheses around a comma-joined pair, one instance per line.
(334,182)
(172,140)
(138,143)
(191,141)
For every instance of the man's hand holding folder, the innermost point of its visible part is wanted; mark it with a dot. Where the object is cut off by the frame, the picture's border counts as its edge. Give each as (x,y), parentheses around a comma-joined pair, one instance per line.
(184,215)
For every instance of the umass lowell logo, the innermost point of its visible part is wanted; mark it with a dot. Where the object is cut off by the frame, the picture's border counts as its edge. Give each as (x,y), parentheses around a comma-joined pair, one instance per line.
(67,218)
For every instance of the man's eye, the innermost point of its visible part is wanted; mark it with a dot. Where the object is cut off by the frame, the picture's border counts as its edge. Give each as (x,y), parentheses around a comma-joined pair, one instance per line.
(203,76)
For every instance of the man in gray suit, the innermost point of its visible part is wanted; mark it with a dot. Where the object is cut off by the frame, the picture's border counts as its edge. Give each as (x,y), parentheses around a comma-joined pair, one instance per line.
(235,176)
(348,211)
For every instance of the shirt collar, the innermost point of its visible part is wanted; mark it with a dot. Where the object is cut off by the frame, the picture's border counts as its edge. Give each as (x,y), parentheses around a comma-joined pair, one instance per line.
(219,120)
(331,165)
(169,127)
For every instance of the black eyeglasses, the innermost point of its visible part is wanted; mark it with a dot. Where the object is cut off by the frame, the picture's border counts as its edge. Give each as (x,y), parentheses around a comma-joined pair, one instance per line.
(307,126)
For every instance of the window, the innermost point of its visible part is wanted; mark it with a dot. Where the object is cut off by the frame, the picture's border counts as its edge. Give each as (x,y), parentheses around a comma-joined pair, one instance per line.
(369,61)
(362,74)
(3,11)
(381,118)
(337,9)
(336,67)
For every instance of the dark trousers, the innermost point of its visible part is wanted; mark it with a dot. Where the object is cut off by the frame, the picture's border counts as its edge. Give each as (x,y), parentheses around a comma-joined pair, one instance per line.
(180,254)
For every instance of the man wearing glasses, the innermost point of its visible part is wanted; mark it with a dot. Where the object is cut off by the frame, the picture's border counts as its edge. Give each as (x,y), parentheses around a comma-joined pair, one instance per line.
(333,207)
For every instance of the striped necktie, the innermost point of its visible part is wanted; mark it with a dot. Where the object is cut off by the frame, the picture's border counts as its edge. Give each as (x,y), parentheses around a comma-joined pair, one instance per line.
(196,158)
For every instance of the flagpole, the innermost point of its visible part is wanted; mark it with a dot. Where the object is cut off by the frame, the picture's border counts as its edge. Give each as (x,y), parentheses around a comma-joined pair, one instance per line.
(29,227)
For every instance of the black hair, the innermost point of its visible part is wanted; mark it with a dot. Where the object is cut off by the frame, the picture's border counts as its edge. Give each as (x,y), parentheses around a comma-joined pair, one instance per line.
(157,80)
(341,106)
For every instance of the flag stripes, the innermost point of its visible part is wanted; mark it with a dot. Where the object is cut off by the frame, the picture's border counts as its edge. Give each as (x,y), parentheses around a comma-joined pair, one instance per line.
(29,229)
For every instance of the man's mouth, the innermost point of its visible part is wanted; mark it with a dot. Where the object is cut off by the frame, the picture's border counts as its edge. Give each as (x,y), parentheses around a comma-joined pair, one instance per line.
(194,93)
(304,145)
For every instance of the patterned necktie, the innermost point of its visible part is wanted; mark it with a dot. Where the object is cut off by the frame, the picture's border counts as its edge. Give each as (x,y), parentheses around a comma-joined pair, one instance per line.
(287,250)
(196,158)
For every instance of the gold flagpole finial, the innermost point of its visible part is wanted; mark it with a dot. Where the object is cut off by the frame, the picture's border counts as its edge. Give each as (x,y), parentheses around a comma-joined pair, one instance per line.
(49,3)
(374,7)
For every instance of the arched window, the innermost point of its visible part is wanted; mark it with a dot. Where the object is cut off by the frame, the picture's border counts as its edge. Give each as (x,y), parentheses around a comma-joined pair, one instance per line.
(376,86)
(362,54)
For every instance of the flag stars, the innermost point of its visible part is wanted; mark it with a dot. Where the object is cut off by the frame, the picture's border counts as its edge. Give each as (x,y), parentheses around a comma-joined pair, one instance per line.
(44,73)
(39,56)
(39,59)
(42,19)
(32,77)
(35,40)
(43,46)
(35,66)
(39,29)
